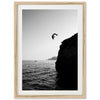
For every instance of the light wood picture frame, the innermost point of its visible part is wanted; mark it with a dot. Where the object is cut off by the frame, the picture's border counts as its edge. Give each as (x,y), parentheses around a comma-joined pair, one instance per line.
(32,20)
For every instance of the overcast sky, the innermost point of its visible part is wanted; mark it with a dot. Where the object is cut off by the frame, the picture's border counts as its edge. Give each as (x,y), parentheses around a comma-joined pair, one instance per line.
(39,25)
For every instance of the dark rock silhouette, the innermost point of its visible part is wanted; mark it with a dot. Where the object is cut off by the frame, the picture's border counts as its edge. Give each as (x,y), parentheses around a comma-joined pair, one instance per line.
(66,64)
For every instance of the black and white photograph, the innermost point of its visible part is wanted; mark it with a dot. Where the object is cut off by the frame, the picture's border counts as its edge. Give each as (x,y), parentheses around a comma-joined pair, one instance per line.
(50,49)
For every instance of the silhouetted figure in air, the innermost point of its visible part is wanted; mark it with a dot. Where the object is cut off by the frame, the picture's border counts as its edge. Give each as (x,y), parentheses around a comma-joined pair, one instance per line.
(53,35)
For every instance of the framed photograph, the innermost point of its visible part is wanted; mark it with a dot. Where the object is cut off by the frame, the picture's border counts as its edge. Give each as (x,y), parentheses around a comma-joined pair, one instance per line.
(49,49)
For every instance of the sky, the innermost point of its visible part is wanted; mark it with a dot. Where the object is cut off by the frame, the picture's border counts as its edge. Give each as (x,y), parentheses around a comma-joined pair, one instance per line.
(38,27)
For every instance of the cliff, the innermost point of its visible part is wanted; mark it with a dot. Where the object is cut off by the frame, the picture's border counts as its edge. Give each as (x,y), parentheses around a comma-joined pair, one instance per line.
(66,64)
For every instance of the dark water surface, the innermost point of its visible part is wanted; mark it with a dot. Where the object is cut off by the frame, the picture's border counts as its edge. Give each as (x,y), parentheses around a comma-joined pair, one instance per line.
(39,75)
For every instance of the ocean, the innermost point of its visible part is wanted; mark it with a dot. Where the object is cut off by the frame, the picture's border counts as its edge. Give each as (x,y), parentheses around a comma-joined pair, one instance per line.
(38,75)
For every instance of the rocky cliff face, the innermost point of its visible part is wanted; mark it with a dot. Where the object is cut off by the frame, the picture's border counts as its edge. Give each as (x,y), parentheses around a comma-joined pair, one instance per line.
(67,65)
